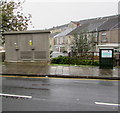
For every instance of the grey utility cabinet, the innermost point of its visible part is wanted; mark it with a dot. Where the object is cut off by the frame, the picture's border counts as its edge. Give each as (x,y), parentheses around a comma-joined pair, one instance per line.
(27,46)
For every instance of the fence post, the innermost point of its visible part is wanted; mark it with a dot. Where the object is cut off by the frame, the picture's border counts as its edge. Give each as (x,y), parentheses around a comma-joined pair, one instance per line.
(92,57)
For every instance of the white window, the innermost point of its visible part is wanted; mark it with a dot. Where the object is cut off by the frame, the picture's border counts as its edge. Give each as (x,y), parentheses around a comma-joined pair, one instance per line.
(104,37)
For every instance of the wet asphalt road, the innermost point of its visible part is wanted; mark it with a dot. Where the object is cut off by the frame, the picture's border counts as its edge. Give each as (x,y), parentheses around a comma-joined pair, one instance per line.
(59,94)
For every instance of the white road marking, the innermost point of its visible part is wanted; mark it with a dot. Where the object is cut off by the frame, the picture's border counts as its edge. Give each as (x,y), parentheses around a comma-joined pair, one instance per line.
(18,96)
(109,104)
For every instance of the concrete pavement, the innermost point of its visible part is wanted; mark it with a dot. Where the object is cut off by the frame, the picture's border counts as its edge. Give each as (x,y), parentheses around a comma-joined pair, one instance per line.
(36,70)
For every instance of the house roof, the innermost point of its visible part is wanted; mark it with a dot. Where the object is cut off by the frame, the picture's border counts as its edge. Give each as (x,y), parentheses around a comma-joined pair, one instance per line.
(109,24)
(59,27)
(96,24)
(88,26)
(117,26)
(53,34)
(64,33)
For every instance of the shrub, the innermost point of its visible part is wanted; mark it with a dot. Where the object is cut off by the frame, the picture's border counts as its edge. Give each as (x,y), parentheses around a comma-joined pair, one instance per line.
(73,61)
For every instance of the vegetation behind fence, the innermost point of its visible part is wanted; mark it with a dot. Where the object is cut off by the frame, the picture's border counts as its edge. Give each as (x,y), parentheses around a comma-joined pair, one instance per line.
(74,61)
(89,58)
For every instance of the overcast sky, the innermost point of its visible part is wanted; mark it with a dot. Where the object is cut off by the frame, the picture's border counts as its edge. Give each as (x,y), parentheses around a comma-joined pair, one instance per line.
(49,13)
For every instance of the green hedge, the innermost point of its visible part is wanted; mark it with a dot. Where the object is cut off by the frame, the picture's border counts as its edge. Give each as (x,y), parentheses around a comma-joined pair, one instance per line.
(73,61)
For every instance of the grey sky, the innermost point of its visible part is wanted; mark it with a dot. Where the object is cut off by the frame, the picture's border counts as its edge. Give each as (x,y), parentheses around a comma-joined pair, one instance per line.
(48,14)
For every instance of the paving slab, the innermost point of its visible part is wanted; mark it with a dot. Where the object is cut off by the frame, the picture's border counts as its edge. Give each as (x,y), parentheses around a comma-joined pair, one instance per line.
(59,71)
(66,71)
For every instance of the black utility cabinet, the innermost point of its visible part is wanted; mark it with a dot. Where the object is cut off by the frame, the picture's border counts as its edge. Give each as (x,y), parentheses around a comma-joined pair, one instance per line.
(106,58)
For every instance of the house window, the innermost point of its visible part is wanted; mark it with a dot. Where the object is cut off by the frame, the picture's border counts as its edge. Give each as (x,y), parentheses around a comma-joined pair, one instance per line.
(116,50)
(55,41)
(61,40)
(62,49)
(104,37)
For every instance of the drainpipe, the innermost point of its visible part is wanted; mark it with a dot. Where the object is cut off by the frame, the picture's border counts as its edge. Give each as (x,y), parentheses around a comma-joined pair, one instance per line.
(97,36)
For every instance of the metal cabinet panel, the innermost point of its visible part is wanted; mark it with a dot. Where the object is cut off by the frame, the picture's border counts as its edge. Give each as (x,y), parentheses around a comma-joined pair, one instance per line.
(26,55)
(39,55)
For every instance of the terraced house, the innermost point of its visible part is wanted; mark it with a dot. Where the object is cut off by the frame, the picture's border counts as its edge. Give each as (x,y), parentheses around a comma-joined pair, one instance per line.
(109,33)
(61,41)
(104,29)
